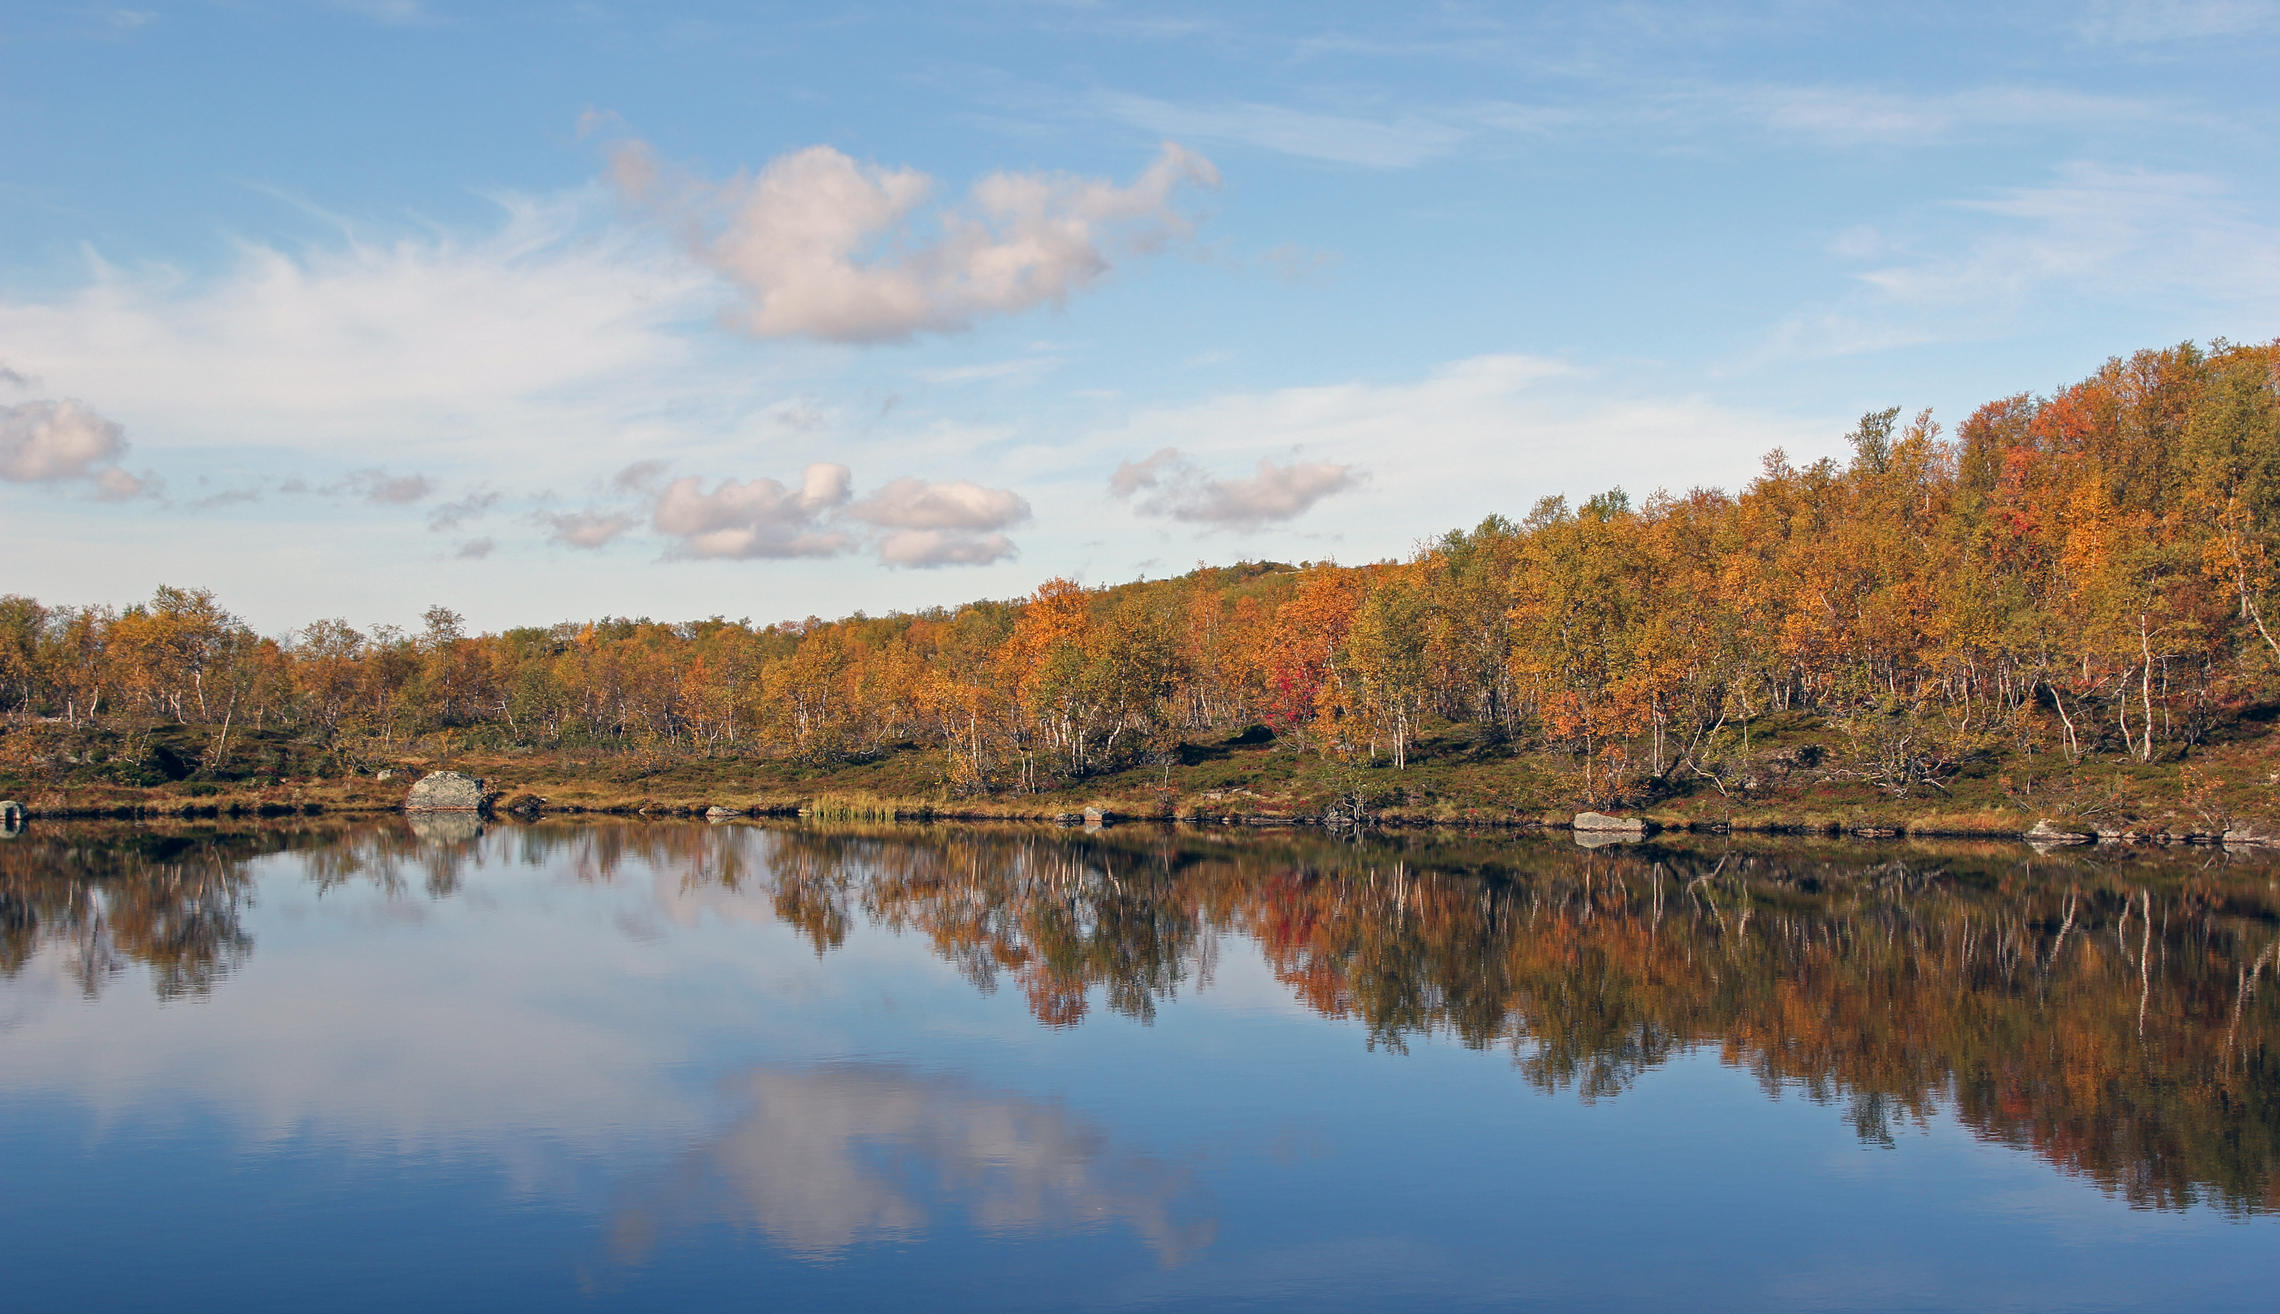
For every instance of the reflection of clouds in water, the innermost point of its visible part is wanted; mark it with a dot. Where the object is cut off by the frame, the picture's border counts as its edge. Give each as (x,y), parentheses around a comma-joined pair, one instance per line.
(828,1158)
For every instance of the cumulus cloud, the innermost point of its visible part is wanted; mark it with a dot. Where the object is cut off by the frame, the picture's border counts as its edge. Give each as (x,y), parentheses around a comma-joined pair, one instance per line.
(916,504)
(47,441)
(945,524)
(1169,484)
(829,247)
(757,518)
(925,548)
(50,442)
(585,529)
(911,522)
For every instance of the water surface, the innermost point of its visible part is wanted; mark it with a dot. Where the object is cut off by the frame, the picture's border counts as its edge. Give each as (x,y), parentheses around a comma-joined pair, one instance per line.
(628,1066)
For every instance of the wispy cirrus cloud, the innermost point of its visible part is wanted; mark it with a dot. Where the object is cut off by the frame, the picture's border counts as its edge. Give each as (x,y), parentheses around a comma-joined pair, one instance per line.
(1400,140)
(549,325)
(1846,116)
(2090,233)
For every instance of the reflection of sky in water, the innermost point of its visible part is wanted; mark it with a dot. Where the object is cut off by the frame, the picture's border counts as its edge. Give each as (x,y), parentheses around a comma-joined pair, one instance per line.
(823,1159)
(487,1072)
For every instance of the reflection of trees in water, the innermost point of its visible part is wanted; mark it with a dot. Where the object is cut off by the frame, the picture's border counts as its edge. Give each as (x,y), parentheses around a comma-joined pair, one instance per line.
(2116,1017)
(1059,919)
(2108,1017)
(167,902)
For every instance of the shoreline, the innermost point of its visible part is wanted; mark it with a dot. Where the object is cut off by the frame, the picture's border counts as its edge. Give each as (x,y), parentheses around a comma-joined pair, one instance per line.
(522,806)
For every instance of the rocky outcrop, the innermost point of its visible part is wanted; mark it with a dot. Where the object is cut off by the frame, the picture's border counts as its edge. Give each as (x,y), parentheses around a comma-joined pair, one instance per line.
(2045,833)
(1600,821)
(445,791)
(2249,835)
(718,813)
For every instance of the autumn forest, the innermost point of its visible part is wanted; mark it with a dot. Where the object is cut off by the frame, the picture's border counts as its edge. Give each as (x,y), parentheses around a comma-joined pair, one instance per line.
(2070,589)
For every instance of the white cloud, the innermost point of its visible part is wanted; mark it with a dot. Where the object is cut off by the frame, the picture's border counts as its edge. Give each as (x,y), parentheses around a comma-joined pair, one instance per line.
(585,529)
(1177,488)
(758,518)
(942,524)
(47,441)
(916,504)
(547,330)
(926,548)
(475,549)
(827,247)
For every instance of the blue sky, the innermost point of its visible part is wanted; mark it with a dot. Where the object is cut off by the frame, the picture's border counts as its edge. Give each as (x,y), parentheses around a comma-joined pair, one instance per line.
(555,311)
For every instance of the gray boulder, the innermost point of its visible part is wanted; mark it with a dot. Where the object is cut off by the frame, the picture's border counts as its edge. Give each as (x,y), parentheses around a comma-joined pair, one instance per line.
(445,791)
(1600,821)
(718,813)
(2239,835)
(2044,833)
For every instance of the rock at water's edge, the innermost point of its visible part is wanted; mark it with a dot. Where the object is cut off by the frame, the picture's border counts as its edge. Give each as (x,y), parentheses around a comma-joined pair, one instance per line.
(2045,833)
(445,791)
(1601,821)
(718,813)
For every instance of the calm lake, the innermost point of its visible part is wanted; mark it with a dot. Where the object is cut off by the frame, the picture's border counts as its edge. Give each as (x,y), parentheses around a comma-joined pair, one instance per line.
(622,1065)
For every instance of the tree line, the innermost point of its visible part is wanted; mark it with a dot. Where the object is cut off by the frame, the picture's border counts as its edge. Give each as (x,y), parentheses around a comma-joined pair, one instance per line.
(2078,575)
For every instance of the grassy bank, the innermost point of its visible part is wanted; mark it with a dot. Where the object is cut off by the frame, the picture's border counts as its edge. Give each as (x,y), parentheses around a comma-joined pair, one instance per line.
(1800,775)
